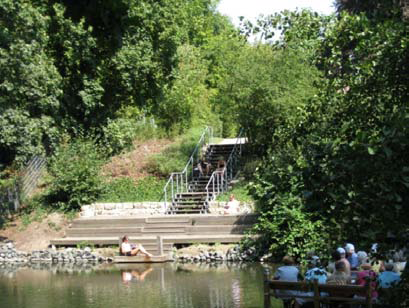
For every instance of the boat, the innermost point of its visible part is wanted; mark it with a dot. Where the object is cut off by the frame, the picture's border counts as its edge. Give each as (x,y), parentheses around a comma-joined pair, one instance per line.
(142,259)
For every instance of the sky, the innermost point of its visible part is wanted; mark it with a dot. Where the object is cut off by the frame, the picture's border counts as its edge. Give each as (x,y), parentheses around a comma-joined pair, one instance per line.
(250,9)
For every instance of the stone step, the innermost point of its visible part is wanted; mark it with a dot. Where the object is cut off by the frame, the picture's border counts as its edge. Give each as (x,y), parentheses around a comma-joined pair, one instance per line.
(219,229)
(204,219)
(193,198)
(187,211)
(101,232)
(188,207)
(167,220)
(188,202)
(172,239)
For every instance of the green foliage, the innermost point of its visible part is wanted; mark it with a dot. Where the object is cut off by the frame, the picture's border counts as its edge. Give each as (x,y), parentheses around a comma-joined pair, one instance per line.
(240,192)
(174,157)
(75,175)
(266,90)
(69,66)
(120,133)
(288,230)
(126,190)
(344,156)
(187,101)
(301,30)
(29,83)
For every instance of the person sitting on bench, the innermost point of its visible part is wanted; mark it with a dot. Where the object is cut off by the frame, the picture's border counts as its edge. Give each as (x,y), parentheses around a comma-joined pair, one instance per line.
(128,249)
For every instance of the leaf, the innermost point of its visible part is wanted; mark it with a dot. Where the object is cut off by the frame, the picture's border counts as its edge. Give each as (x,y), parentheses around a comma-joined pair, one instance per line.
(371,151)
(388,152)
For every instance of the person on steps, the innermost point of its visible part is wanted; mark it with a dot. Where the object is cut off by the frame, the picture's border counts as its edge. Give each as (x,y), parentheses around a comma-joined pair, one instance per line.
(128,249)
(232,207)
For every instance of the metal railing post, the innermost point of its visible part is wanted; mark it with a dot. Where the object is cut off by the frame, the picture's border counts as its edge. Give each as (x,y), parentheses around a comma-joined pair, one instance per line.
(166,200)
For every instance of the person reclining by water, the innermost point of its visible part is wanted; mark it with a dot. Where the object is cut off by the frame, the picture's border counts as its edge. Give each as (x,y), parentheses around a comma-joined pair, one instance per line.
(128,249)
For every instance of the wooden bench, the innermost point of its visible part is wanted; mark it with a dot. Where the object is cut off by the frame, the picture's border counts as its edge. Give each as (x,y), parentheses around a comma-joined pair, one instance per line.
(322,295)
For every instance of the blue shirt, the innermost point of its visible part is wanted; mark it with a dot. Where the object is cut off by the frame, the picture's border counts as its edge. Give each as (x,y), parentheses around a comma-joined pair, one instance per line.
(316,273)
(287,273)
(353,260)
(387,279)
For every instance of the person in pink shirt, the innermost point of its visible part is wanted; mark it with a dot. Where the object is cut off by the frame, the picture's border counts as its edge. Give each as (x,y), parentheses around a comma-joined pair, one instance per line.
(367,275)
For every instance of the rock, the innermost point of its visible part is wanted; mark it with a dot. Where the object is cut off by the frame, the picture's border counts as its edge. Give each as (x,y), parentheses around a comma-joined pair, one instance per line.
(87,249)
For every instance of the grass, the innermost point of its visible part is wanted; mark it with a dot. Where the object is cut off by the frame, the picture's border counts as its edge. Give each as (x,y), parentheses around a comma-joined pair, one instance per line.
(239,191)
(174,158)
(126,190)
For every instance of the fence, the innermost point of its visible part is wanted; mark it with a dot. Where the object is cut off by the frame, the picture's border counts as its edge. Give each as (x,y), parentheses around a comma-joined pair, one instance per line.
(178,181)
(22,186)
(219,180)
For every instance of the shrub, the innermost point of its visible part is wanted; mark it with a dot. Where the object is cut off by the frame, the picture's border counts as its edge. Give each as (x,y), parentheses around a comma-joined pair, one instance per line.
(121,132)
(288,230)
(240,192)
(127,190)
(75,175)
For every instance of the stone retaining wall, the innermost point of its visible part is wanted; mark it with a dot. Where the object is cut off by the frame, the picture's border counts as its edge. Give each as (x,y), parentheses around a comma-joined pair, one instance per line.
(217,207)
(148,208)
(123,209)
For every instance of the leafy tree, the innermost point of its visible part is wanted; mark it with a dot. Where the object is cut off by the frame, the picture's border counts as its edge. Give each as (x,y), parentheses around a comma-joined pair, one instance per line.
(265,89)
(188,99)
(345,156)
(75,169)
(29,83)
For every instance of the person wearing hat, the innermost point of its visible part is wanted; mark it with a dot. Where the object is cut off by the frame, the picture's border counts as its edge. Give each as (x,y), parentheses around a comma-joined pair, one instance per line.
(343,259)
(362,257)
(352,256)
(315,271)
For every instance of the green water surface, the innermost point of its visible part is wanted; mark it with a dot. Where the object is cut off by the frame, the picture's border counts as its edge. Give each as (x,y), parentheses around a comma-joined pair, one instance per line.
(157,286)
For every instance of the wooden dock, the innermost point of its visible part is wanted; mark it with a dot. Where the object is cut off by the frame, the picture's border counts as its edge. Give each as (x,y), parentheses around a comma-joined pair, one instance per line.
(142,259)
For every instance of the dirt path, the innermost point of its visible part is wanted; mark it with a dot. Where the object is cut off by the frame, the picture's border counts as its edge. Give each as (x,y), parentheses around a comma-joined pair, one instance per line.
(34,232)
(132,164)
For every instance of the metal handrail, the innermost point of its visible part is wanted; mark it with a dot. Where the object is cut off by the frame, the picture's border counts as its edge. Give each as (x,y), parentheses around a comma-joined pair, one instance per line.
(220,178)
(178,181)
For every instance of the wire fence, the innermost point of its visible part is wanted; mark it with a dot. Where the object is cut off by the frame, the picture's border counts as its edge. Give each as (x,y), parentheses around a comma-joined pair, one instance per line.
(22,186)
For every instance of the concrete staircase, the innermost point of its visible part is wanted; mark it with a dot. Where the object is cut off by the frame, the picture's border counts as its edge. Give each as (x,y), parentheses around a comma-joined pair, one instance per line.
(194,201)
(174,230)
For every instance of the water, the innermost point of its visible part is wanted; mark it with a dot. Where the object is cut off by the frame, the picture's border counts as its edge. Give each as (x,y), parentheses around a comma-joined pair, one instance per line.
(139,285)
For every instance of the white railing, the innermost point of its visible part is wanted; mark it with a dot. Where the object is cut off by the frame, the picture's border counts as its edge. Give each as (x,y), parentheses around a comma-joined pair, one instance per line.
(178,181)
(218,182)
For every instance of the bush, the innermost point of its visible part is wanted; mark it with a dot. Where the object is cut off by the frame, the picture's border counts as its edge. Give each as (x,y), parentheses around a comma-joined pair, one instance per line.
(240,192)
(120,133)
(75,175)
(126,190)
(288,230)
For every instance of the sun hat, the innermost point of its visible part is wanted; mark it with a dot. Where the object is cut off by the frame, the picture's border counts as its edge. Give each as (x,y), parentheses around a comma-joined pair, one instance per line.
(349,247)
(341,250)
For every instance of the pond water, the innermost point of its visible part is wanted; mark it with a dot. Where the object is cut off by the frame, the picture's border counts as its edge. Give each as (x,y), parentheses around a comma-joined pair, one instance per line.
(138,285)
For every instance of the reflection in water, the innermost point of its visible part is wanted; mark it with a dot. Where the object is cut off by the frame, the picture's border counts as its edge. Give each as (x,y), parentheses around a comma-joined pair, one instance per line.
(169,285)
(136,274)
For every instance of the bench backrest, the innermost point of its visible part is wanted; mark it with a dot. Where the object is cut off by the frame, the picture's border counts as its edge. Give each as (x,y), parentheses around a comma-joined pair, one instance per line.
(323,293)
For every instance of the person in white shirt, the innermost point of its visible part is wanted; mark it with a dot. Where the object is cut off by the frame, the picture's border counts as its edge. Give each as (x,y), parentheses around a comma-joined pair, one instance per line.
(232,207)
(128,249)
